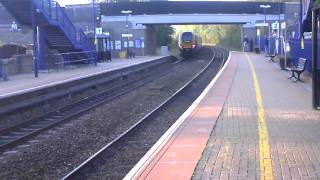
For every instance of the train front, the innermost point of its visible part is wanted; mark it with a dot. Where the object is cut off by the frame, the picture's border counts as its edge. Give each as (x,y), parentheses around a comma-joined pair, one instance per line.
(187,44)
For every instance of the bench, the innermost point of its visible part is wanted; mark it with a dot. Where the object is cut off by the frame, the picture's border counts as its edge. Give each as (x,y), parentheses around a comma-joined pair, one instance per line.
(272,56)
(299,68)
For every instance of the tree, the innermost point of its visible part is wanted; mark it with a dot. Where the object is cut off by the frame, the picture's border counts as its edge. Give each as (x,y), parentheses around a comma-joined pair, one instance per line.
(225,35)
(164,35)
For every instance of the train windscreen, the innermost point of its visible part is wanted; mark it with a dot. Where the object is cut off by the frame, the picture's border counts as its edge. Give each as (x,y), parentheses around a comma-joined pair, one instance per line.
(186,37)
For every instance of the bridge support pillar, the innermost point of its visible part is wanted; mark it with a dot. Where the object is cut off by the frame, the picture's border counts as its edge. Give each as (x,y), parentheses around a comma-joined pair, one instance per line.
(150,40)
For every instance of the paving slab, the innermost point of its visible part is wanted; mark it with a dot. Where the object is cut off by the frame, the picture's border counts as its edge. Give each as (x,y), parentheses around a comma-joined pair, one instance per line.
(233,150)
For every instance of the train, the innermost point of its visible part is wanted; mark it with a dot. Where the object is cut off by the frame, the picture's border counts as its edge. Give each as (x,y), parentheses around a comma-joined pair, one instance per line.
(189,44)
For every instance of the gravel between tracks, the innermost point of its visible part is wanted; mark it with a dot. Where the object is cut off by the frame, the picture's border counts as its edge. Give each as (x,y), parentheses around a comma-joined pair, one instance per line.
(56,152)
(117,161)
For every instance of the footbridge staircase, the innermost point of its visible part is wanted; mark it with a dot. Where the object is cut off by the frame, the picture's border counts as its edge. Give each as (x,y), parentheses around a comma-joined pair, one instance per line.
(52,28)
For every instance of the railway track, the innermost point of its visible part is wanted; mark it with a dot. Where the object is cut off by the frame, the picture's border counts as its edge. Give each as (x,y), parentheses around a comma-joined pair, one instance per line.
(16,135)
(123,142)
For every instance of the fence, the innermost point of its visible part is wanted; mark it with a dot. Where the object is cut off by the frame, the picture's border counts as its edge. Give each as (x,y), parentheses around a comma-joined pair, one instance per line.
(22,64)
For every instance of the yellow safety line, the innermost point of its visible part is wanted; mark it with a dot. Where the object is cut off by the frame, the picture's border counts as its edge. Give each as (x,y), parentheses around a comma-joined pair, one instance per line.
(266,171)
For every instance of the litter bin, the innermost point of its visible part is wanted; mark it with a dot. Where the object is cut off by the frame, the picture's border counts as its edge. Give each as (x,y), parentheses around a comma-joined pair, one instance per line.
(256,50)
(123,55)
(282,62)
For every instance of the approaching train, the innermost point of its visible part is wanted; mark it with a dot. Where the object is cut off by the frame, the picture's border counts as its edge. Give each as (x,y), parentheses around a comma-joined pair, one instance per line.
(189,44)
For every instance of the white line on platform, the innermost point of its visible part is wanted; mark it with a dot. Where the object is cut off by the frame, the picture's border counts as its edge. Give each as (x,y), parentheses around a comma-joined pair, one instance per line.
(147,158)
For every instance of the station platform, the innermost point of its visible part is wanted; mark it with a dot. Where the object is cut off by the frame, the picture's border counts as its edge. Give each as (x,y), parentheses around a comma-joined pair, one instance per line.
(23,83)
(251,122)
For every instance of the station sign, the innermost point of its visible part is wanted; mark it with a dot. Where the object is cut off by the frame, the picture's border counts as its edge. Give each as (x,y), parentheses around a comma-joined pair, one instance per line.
(99,31)
(275,26)
(307,35)
(127,35)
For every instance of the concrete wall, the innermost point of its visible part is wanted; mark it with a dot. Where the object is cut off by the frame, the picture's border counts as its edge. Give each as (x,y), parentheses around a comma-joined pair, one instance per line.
(116,29)
(151,40)
(251,35)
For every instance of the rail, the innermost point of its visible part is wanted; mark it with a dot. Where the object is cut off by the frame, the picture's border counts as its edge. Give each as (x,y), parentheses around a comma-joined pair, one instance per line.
(14,135)
(134,127)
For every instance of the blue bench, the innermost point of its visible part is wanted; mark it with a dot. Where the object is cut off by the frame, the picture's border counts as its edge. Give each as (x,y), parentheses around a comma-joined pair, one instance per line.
(298,69)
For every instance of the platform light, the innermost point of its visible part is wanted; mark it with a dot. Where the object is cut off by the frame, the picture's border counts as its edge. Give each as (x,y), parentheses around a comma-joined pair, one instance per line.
(127,13)
(265,6)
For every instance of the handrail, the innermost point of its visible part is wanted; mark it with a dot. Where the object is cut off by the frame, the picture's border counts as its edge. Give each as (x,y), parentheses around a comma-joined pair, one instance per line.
(55,12)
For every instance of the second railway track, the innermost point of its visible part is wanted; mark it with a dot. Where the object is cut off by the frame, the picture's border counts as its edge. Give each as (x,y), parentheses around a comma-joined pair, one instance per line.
(16,135)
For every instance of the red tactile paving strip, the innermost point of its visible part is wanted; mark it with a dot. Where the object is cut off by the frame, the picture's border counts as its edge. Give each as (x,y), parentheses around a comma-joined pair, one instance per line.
(179,156)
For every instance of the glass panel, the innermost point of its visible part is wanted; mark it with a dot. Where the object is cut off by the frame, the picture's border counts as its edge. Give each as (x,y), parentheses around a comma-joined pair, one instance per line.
(186,37)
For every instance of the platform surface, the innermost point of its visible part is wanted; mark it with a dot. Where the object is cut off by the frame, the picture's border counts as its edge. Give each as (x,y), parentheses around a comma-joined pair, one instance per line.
(265,129)
(22,83)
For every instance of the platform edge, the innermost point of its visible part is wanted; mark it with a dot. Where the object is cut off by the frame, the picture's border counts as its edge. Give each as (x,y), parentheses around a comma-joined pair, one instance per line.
(147,158)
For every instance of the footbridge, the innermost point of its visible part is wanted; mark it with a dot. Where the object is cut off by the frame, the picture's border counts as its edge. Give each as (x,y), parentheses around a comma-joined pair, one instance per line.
(52,30)
(191,12)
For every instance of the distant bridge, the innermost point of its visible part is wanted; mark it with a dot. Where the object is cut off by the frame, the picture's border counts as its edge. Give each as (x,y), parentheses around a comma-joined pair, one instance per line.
(192,12)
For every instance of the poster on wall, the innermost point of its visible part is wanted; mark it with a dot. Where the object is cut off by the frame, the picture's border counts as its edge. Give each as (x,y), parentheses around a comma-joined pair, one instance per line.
(125,44)
(118,45)
(138,43)
(131,44)
(110,45)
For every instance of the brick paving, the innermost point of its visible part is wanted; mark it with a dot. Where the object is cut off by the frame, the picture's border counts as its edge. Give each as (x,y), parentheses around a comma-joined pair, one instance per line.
(177,154)
(232,151)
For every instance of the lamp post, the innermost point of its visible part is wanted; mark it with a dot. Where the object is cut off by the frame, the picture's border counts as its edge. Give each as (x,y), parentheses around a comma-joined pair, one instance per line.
(265,7)
(126,13)
(94,19)
(94,27)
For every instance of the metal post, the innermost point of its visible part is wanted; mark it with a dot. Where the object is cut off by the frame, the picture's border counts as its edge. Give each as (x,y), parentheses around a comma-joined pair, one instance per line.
(127,12)
(315,74)
(94,20)
(35,44)
(40,46)
(265,20)
(127,32)
(285,45)
(94,30)
(279,28)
